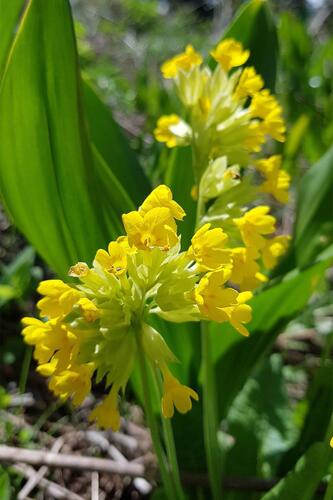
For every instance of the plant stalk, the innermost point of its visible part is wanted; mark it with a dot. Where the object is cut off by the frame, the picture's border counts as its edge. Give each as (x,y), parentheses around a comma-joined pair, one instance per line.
(170,444)
(210,413)
(165,471)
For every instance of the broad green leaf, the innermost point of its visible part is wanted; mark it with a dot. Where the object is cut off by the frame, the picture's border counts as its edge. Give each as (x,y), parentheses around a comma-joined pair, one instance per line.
(254,26)
(260,420)
(302,482)
(236,357)
(10,14)
(112,145)
(314,220)
(57,189)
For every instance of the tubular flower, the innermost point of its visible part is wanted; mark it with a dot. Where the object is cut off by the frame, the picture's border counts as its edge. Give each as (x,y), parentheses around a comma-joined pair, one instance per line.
(208,248)
(221,303)
(254,225)
(245,270)
(58,300)
(172,130)
(249,83)
(107,414)
(266,107)
(274,249)
(230,54)
(175,395)
(277,180)
(181,62)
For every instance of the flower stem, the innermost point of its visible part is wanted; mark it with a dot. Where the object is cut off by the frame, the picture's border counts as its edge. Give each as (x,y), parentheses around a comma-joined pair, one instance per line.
(210,417)
(170,445)
(152,423)
(25,369)
(210,414)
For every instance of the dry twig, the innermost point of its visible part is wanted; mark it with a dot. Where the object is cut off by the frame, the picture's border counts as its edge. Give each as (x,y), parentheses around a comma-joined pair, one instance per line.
(40,457)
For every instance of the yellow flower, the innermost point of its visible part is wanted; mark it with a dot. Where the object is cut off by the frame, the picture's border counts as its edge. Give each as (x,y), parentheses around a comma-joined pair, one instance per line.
(208,248)
(230,54)
(331,442)
(172,130)
(114,261)
(107,414)
(245,270)
(89,310)
(211,295)
(266,107)
(48,337)
(59,298)
(175,395)
(74,382)
(277,180)
(156,228)
(255,137)
(241,313)
(274,249)
(222,304)
(249,83)
(162,197)
(254,224)
(181,62)
(80,269)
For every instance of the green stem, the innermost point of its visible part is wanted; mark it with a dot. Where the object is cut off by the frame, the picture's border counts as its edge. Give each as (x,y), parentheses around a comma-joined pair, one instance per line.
(210,413)
(25,369)
(170,445)
(210,417)
(152,423)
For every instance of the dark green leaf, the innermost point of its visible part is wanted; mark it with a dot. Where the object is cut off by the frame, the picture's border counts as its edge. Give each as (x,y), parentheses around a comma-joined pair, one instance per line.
(314,221)
(302,482)
(56,188)
(112,145)
(10,14)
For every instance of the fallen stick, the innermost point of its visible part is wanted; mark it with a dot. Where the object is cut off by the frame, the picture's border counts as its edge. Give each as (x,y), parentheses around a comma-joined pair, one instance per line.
(35,477)
(40,457)
(53,489)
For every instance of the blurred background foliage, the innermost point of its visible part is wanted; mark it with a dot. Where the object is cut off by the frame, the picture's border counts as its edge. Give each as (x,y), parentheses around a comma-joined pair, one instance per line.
(277,389)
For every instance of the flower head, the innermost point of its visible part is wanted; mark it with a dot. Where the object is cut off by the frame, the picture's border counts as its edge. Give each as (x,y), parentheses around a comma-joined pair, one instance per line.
(94,328)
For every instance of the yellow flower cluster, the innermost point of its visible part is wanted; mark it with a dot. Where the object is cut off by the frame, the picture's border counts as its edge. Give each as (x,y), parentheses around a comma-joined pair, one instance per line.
(93,328)
(231,114)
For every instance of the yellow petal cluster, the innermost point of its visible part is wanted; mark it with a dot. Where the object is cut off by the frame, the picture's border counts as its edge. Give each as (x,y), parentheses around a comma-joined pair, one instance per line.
(91,328)
(230,112)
